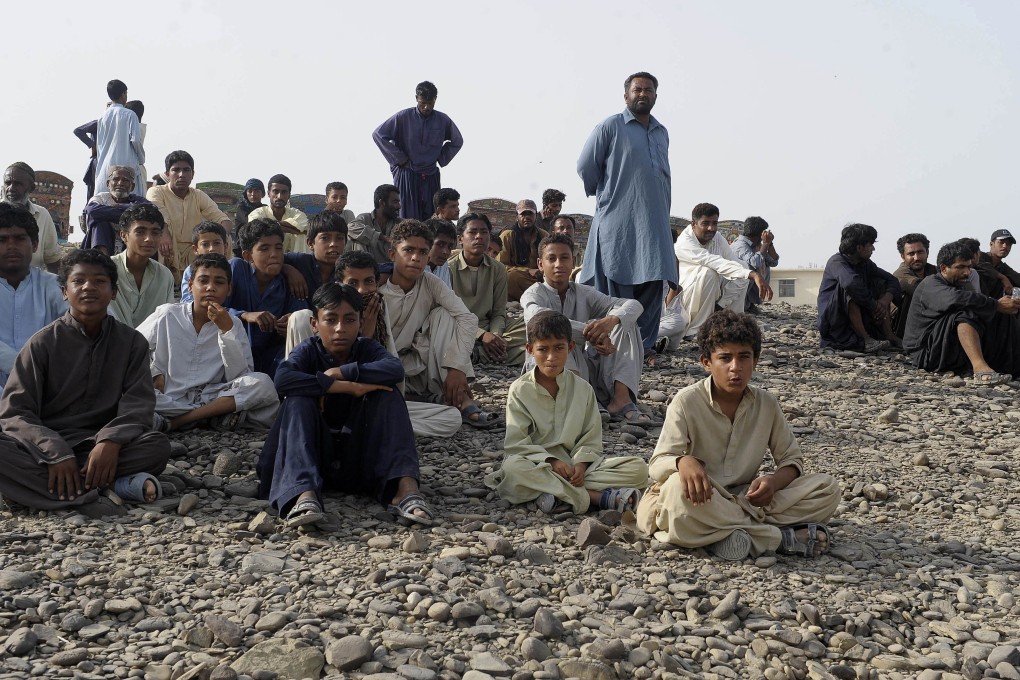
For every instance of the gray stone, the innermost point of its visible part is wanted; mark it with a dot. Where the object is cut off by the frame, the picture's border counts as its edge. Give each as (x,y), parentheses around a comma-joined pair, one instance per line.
(154,623)
(487,662)
(592,532)
(73,622)
(188,502)
(547,624)
(263,523)
(727,605)
(223,673)
(349,652)
(611,650)
(21,642)
(272,622)
(450,566)
(534,554)
(1004,654)
(13,581)
(533,649)
(586,669)
(286,658)
(398,639)
(415,672)
(224,630)
(261,563)
(227,463)
(415,542)
(467,610)
(69,657)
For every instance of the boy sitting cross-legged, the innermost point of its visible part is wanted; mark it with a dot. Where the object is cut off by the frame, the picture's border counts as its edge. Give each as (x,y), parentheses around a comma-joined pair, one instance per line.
(608,353)
(432,329)
(553,445)
(706,488)
(77,410)
(202,366)
(207,237)
(259,292)
(342,424)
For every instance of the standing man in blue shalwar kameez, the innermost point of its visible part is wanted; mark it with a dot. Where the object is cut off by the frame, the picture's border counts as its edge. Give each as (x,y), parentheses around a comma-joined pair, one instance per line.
(417,142)
(625,165)
(118,138)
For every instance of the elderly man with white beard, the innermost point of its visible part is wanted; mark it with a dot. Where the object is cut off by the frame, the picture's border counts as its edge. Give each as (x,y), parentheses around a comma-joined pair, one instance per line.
(103,211)
(19,183)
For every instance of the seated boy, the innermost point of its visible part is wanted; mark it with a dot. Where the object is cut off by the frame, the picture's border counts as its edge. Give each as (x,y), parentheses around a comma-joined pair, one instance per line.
(202,366)
(674,321)
(706,488)
(336,200)
(553,444)
(259,292)
(445,240)
(607,351)
(432,329)
(327,238)
(495,246)
(30,298)
(142,283)
(342,424)
(77,411)
(207,237)
(481,283)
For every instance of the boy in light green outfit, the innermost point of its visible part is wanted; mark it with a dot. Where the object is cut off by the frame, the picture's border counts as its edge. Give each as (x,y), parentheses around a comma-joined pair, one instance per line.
(553,445)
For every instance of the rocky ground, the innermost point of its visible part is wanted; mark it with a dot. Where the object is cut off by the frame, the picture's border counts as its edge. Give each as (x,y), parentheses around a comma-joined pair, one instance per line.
(922,582)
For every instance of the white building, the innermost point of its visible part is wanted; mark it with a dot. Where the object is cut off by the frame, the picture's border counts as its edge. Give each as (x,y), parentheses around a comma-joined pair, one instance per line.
(796,286)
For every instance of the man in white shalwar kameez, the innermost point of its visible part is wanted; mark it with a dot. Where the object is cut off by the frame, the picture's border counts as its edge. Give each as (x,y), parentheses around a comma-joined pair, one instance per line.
(118,138)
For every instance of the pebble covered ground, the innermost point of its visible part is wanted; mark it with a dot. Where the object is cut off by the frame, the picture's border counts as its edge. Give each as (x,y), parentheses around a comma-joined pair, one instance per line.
(922,582)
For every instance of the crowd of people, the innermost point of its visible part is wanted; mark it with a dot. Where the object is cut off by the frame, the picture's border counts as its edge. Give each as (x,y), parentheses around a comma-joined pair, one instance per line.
(347,336)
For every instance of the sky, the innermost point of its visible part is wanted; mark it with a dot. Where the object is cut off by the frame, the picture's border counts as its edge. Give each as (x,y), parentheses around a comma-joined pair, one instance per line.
(902,115)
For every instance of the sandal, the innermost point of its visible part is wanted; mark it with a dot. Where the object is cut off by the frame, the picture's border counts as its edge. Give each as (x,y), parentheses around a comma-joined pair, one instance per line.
(484,421)
(733,548)
(621,499)
(405,509)
(790,545)
(132,487)
(231,422)
(631,415)
(306,511)
(871,345)
(652,359)
(989,379)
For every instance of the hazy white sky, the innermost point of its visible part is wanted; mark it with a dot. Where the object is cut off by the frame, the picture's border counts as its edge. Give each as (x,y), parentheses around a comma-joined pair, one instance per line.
(902,115)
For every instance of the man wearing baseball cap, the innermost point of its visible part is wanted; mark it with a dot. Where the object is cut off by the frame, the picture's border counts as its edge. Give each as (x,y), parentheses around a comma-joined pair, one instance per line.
(997,277)
(520,250)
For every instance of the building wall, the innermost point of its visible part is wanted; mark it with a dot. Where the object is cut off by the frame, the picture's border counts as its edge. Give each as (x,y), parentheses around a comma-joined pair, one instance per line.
(805,283)
(53,192)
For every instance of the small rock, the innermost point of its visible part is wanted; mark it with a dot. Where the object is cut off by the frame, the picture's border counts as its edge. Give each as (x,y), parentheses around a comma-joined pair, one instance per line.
(13,581)
(272,622)
(876,492)
(21,642)
(890,415)
(224,630)
(467,610)
(586,669)
(486,662)
(440,611)
(921,459)
(611,650)
(227,463)
(547,624)
(415,542)
(349,652)
(263,524)
(188,502)
(533,649)
(727,605)
(69,657)
(286,658)
(534,554)
(223,673)
(1004,654)
(592,532)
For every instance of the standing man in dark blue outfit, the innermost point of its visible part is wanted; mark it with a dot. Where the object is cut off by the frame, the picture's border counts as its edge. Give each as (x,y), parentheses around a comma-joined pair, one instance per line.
(417,142)
(625,165)
(343,424)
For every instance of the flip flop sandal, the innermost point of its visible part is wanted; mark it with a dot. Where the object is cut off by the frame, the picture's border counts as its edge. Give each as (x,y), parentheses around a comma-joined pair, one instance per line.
(638,418)
(231,422)
(406,507)
(484,421)
(132,487)
(733,548)
(622,499)
(791,546)
(992,379)
(307,511)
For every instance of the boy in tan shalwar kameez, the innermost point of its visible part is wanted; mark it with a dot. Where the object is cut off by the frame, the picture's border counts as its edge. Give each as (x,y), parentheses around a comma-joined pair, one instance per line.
(706,489)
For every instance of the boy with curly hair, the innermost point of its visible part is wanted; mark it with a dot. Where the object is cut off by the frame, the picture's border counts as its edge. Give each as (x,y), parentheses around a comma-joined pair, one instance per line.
(707,490)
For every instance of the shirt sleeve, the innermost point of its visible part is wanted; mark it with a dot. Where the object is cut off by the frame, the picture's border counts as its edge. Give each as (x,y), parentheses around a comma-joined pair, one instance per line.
(149,328)
(691,253)
(87,133)
(375,366)
(453,144)
(22,404)
(674,442)
(591,164)
(209,209)
(532,304)
(386,138)
(235,351)
(155,196)
(588,448)
(745,252)
(298,374)
(782,442)
(185,290)
(601,305)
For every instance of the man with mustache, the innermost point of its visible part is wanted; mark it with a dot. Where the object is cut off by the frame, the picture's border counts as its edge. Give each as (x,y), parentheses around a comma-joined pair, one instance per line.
(625,165)
(19,183)
(102,212)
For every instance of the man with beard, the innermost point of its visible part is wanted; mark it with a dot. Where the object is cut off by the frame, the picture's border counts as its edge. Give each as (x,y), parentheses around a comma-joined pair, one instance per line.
(370,231)
(520,250)
(29,298)
(913,249)
(103,211)
(417,142)
(552,205)
(183,208)
(625,165)
(19,183)
(293,221)
(951,328)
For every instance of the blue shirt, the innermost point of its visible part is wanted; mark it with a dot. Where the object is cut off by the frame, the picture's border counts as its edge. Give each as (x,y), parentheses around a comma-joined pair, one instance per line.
(423,141)
(245,296)
(626,167)
(36,302)
(308,267)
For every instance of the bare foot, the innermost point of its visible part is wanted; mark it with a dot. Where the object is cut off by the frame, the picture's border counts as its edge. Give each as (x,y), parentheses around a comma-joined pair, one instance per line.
(149,491)
(821,540)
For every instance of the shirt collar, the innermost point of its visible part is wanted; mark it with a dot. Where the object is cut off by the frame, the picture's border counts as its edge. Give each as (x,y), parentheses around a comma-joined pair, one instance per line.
(628,117)
(706,385)
(461,264)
